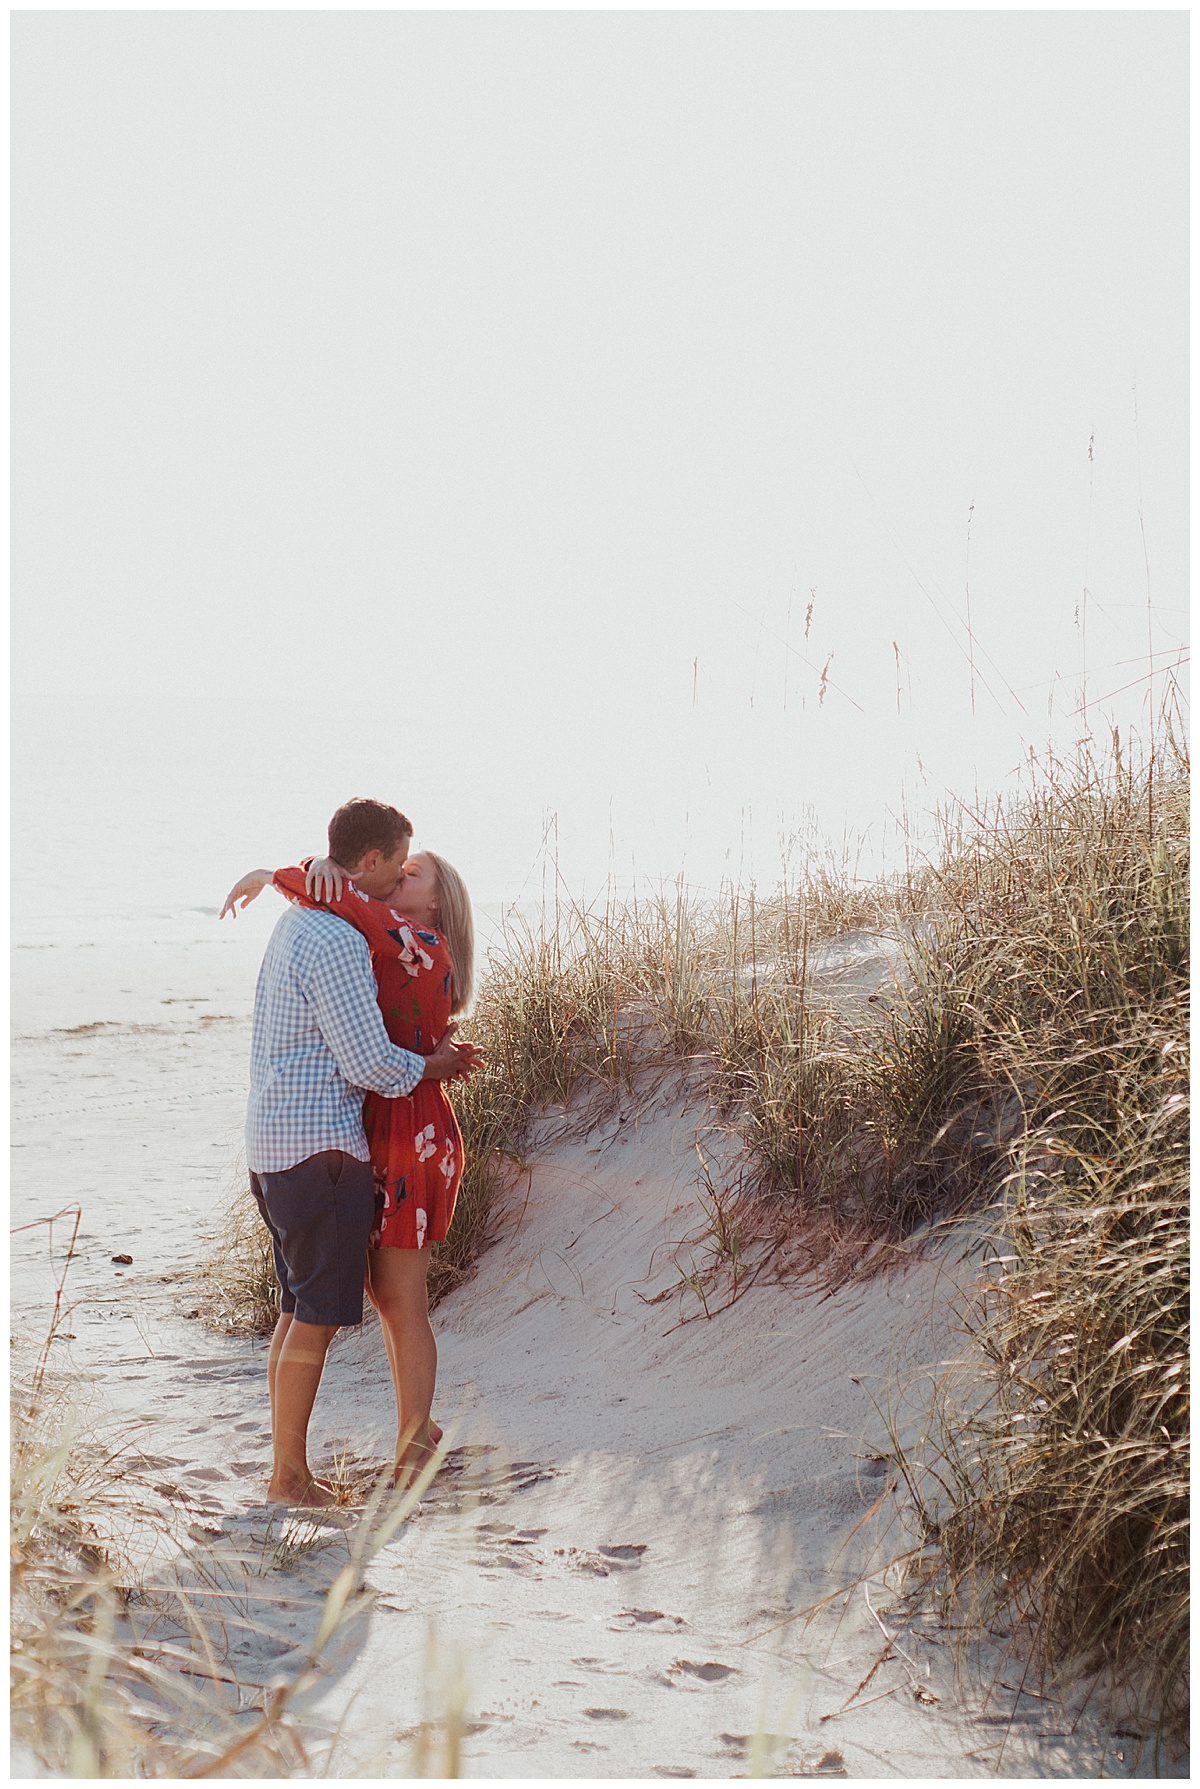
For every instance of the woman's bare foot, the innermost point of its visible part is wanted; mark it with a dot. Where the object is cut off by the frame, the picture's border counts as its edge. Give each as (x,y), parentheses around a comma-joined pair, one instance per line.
(435,1431)
(412,1460)
(313,1493)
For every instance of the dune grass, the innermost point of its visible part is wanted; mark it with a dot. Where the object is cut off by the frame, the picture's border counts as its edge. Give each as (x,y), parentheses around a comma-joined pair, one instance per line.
(1070,1515)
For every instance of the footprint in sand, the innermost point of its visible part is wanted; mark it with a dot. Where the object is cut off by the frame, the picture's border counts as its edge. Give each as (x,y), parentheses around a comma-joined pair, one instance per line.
(625,1558)
(709,1672)
(203,1534)
(607,1714)
(582,1562)
(625,1619)
(491,1482)
(829,1764)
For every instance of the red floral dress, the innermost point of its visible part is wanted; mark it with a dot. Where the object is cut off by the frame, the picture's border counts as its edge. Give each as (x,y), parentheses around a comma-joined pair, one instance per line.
(416,1147)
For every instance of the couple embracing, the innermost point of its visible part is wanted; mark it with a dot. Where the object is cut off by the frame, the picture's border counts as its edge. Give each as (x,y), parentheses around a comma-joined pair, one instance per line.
(354,1153)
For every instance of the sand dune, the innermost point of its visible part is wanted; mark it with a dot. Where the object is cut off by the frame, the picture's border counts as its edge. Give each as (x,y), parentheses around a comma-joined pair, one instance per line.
(640,1501)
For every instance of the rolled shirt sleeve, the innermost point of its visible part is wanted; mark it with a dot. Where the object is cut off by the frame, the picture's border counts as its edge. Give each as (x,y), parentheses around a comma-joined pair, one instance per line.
(342,992)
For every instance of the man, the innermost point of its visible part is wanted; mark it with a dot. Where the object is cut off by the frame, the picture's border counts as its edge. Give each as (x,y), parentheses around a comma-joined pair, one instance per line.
(318,1044)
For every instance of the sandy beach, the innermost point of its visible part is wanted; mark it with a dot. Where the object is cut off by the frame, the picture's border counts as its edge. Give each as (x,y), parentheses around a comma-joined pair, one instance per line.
(613,1569)
(723,476)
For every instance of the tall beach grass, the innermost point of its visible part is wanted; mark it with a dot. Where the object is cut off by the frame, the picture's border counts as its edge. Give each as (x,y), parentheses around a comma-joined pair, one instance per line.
(1070,935)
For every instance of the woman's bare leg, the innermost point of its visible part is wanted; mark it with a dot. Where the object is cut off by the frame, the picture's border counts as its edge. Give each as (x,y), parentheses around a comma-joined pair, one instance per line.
(389,1340)
(397,1289)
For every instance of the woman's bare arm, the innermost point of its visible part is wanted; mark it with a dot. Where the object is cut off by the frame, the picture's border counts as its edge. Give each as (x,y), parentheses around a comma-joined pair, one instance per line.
(323,882)
(245,891)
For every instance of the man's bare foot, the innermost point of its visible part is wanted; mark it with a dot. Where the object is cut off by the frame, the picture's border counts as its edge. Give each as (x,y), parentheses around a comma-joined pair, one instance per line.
(311,1494)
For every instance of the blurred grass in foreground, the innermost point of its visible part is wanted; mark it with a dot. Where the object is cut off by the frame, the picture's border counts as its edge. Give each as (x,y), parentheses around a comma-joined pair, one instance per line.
(123,1667)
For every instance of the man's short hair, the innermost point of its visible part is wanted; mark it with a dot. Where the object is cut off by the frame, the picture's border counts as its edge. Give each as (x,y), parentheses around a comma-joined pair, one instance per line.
(363,825)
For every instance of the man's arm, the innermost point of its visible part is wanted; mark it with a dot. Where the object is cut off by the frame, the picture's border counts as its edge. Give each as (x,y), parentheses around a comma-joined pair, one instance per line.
(342,992)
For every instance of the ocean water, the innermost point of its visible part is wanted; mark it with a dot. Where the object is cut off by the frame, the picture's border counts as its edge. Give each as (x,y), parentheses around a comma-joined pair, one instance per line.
(152,964)
(128,830)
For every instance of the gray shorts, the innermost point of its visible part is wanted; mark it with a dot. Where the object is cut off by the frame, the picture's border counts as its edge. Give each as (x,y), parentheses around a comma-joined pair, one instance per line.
(319,1214)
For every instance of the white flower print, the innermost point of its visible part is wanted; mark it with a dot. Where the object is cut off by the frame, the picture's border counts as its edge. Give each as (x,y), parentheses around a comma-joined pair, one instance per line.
(412,956)
(447,1162)
(425,1145)
(422,1222)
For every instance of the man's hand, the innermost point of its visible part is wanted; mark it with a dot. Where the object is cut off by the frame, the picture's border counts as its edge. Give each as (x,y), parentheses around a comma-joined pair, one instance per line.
(450,1061)
(323,880)
(245,891)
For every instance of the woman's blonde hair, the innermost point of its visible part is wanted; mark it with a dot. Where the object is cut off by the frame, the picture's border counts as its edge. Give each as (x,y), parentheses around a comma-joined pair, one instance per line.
(457,926)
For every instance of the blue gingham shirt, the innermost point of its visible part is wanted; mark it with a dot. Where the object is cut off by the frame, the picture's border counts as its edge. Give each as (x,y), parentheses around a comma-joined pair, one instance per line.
(318,1044)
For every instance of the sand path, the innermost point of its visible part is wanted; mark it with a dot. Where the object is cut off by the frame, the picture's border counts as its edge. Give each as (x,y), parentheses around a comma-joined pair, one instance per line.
(614,1565)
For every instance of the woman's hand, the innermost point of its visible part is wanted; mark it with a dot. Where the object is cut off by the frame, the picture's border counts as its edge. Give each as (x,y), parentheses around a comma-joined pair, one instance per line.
(245,891)
(323,881)
(452,1061)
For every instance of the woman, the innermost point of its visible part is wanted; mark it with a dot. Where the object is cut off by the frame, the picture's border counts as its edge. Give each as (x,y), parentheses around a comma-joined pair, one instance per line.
(422,951)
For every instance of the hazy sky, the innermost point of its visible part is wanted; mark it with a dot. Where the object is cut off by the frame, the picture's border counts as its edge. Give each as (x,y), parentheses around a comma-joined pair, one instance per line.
(467,408)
